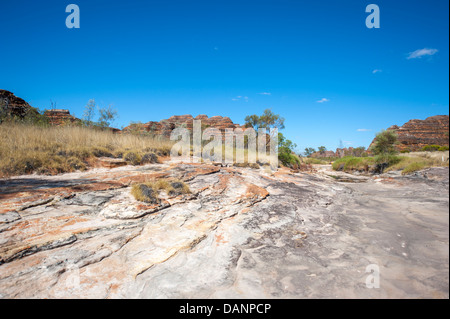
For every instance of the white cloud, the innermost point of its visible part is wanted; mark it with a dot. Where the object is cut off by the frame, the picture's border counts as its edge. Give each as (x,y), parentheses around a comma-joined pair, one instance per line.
(364,130)
(323,100)
(377,71)
(421,53)
(239,98)
(265,93)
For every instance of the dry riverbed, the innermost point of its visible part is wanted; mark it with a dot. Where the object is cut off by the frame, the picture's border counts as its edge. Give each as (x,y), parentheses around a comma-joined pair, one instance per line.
(242,233)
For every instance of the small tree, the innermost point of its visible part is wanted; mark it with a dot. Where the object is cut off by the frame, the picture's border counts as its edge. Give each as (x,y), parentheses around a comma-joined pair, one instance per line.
(107,116)
(285,152)
(309,151)
(359,151)
(89,112)
(322,150)
(385,143)
(267,120)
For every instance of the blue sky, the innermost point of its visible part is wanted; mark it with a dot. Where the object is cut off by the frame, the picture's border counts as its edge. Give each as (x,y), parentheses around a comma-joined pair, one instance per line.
(313,62)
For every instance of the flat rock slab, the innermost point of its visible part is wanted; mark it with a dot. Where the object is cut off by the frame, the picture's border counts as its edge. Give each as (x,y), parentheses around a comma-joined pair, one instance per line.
(242,233)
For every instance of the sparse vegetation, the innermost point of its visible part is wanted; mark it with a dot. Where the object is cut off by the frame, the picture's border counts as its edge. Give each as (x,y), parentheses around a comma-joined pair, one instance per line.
(26,149)
(431,148)
(435,148)
(386,163)
(286,152)
(150,192)
(317,161)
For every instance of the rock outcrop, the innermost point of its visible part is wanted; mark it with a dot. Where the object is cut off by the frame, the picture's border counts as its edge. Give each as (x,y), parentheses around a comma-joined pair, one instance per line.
(165,127)
(61,117)
(416,134)
(14,106)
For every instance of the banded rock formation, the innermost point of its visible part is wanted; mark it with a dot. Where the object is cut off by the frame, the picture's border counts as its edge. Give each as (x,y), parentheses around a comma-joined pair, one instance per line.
(165,127)
(416,134)
(61,117)
(14,106)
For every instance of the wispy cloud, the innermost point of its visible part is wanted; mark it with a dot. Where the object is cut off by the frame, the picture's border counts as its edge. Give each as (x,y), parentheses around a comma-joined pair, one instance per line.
(265,93)
(377,71)
(323,100)
(421,53)
(364,130)
(240,98)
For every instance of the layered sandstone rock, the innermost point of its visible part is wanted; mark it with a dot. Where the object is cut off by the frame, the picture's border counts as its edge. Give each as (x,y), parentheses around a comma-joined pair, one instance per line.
(61,117)
(165,127)
(14,106)
(416,134)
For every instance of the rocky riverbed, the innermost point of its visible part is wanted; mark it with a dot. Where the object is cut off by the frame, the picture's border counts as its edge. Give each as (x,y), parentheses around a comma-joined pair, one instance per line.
(241,233)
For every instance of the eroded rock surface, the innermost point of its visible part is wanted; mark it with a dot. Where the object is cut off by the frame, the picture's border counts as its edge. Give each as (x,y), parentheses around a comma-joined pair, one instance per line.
(241,233)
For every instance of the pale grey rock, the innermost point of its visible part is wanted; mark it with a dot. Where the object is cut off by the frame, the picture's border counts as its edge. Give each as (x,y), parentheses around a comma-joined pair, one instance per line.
(243,233)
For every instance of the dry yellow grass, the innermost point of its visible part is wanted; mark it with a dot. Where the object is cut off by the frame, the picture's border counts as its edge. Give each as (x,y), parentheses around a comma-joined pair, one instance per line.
(411,164)
(28,149)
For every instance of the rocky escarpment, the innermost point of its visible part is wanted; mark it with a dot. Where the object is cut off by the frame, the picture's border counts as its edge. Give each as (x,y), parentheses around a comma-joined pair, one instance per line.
(165,127)
(416,134)
(11,105)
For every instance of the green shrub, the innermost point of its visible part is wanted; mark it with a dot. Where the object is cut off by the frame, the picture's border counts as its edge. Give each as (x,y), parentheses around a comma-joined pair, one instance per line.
(431,148)
(385,142)
(351,163)
(288,159)
(387,159)
(414,167)
(443,148)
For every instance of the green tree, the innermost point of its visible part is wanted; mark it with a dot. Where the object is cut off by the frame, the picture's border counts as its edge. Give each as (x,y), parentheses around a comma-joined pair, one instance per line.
(267,120)
(89,113)
(309,151)
(285,152)
(322,150)
(107,116)
(385,143)
(359,151)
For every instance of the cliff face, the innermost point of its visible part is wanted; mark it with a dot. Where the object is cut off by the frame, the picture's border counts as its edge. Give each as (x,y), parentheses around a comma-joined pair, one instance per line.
(13,105)
(165,127)
(416,134)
